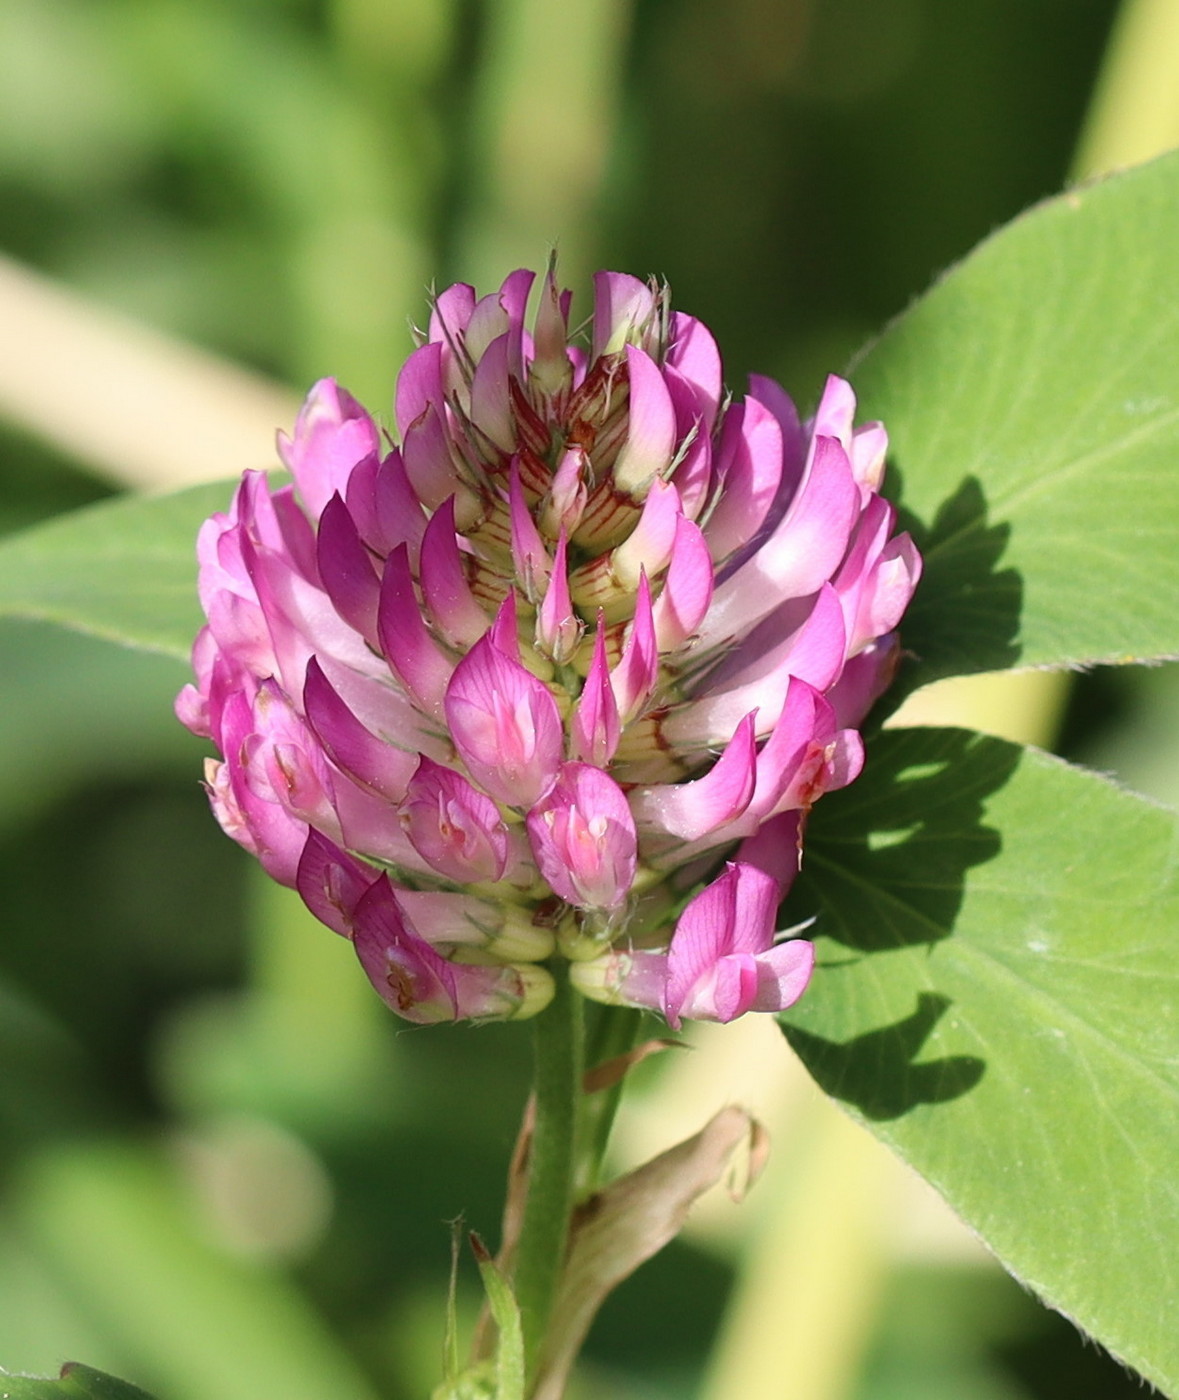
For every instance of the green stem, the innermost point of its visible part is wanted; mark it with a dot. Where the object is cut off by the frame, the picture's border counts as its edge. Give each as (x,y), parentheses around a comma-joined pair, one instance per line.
(559,1049)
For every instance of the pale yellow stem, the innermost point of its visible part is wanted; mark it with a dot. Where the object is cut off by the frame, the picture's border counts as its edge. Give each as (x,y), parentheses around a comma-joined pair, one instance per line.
(130,403)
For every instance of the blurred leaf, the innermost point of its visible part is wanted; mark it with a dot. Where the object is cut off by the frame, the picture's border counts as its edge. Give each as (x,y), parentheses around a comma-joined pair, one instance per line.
(1031,400)
(124,569)
(1003,1009)
(76,1383)
(115,1226)
(74,709)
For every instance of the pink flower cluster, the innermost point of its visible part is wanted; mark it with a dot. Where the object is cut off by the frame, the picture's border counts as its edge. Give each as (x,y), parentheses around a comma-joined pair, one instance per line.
(561,674)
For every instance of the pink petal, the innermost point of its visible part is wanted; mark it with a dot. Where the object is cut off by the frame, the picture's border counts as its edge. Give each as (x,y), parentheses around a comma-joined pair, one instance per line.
(710,963)
(650,544)
(505,724)
(379,766)
(419,387)
(651,427)
(332,434)
(558,628)
(529,555)
(783,974)
(749,461)
(798,556)
(445,589)
(412,653)
(583,837)
(687,591)
(452,826)
(634,678)
(595,727)
(692,351)
(690,810)
(804,640)
(622,305)
(346,569)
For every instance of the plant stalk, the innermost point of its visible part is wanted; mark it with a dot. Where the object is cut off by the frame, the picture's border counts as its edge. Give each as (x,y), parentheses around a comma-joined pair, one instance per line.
(559,1066)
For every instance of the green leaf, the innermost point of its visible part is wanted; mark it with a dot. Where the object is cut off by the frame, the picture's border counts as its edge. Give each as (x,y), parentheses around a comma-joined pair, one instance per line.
(124,569)
(76,1383)
(1003,1010)
(1032,403)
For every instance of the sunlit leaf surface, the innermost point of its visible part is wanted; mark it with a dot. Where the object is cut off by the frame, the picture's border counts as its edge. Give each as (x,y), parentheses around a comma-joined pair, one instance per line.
(998,997)
(1032,402)
(124,569)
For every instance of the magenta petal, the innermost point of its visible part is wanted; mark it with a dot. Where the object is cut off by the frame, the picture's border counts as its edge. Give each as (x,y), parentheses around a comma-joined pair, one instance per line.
(346,569)
(409,648)
(595,728)
(504,632)
(691,810)
(419,386)
(415,980)
(687,590)
(651,429)
(633,679)
(798,556)
(455,828)
(332,434)
(332,882)
(583,837)
(783,974)
(444,582)
(865,678)
(491,404)
(558,628)
(649,545)
(749,461)
(385,506)
(505,724)
(622,305)
(426,455)
(380,766)
(776,848)
(529,555)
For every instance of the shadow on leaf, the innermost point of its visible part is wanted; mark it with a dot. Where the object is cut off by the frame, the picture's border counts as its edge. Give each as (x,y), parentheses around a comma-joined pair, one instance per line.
(884,874)
(965,615)
(886,859)
(876,1071)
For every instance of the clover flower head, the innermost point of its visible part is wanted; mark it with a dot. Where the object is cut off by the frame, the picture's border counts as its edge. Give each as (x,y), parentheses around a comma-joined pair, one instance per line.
(588,642)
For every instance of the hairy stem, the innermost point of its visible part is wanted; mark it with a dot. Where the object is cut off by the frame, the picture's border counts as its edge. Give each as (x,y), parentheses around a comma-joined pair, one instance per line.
(559,1050)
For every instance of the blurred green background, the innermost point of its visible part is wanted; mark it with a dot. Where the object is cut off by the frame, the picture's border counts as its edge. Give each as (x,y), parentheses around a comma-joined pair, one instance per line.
(225,1170)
